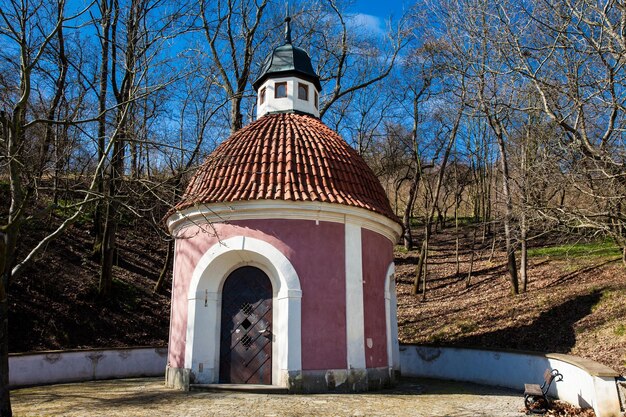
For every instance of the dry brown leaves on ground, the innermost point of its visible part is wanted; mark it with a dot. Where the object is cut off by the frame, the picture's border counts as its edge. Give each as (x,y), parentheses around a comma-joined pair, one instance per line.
(562,409)
(573,305)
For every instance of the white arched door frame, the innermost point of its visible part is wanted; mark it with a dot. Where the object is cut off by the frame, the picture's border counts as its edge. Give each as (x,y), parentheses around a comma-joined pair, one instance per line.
(204,307)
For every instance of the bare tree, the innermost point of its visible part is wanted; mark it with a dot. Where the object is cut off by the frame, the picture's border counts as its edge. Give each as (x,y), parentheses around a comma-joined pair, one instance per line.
(135,42)
(105,7)
(420,71)
(31,32)
(572,53)
(446,148)
(196,101)
(470,30)
(230,28)
(334,64)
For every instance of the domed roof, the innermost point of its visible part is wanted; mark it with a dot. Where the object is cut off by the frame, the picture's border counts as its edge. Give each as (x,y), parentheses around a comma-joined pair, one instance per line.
(291,157)
(288,60)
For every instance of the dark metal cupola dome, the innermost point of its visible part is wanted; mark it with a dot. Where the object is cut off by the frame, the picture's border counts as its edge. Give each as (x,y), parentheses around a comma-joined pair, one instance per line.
(288,60)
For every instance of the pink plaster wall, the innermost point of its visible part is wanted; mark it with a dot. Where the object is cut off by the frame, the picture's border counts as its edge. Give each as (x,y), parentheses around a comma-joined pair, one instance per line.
(319,261)
(377,255)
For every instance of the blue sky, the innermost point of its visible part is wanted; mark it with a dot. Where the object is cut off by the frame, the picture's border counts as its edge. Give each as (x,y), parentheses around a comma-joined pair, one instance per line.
(373,15)
(381,8)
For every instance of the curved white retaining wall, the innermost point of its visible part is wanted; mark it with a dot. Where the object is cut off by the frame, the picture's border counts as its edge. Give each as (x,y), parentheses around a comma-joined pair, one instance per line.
(84,365)
(585,383)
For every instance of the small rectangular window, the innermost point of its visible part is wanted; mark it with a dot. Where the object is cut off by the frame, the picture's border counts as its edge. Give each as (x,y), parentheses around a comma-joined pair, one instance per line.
(316,101)
(303,92)
(262,96)
(280,90)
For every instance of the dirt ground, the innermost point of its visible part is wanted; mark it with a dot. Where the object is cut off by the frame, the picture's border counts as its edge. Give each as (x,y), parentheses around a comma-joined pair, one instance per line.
(150,398)
(574,304)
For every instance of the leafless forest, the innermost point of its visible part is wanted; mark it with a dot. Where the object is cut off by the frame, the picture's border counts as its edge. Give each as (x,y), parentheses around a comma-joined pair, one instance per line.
(507,116)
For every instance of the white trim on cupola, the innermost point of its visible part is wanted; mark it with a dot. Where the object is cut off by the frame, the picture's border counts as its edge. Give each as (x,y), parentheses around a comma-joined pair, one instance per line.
(290,103)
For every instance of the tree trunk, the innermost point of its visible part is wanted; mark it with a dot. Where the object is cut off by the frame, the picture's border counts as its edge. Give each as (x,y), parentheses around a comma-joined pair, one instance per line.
(508,216)
(134,160)
(493,249)
(457,242)
(425,264)
(468,281)
(407,239)
(457,198)
(166,267)
(57,170)
(5,398)
(439,223)
(510,257)
(111,216)
(5,265)
(13,133)
(419,269)
(235,114)
(107,252)
(524,260)
(422,265)
(98,222)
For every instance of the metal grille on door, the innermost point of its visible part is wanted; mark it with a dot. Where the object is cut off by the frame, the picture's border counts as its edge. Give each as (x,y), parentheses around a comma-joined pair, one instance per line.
(246,338)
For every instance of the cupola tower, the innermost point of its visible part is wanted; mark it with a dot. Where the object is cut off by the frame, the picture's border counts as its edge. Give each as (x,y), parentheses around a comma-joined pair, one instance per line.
(287,81)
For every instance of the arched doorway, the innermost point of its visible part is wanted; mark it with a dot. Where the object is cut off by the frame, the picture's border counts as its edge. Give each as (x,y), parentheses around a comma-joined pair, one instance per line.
(204,309)
(246,320)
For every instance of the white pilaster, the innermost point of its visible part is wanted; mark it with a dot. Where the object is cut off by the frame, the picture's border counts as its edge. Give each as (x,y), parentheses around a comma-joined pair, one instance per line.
(391,308)
(355,322)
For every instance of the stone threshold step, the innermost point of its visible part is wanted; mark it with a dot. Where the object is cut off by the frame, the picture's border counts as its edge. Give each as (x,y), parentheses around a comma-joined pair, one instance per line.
(248,388)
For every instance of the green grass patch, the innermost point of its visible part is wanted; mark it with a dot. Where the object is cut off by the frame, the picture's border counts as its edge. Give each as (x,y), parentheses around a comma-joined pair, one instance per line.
(600,249)
(417,222)
(400,249)
(67,208)
(620,330)
(439,336)
(465,221)
(466,326)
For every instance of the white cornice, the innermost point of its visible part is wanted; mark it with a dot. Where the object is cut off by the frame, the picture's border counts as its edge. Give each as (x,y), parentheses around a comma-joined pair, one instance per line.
(280,209)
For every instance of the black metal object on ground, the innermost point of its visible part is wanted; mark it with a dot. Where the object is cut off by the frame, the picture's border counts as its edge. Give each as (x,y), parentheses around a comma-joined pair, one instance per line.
(536,398)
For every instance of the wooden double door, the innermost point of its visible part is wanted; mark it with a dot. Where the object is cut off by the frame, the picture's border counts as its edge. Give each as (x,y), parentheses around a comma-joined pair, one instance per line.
(246,328)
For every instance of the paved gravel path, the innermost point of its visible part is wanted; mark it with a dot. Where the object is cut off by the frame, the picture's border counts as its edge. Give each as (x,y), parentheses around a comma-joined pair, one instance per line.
(149,397)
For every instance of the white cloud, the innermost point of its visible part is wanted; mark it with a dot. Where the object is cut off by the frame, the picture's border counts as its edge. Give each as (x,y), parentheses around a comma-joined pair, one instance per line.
(366,24)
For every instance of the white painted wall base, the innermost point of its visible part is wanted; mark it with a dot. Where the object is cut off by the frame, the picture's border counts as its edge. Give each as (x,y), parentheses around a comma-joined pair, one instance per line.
(84,365)
(585,383)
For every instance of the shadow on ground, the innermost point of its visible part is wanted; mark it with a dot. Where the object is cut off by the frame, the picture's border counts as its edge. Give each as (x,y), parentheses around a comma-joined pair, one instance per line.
(552,331)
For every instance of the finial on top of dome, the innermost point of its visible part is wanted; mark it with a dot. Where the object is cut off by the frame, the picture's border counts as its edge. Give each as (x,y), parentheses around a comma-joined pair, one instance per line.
(288,26)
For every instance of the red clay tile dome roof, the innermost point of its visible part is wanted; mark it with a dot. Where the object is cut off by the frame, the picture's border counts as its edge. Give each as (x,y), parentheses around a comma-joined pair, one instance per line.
(286,156)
